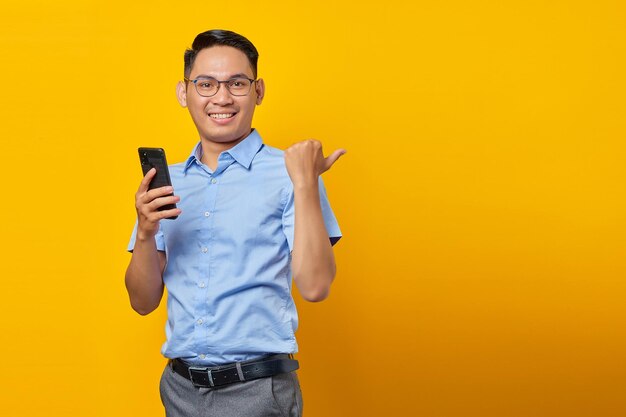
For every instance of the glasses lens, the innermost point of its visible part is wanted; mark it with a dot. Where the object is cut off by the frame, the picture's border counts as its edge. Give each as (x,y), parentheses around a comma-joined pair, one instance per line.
(239,86)
(207,86)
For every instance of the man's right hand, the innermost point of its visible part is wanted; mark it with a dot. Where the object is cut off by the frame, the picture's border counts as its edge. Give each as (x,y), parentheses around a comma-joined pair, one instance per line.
(147,203)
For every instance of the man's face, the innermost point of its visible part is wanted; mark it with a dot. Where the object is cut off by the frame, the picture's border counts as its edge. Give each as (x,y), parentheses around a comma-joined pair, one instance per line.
(235,122)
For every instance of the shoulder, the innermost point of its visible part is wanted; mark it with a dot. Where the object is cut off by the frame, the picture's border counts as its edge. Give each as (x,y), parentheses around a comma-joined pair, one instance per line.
(177,169)
(179,166)
(269,166)
(271,152)
(271,158)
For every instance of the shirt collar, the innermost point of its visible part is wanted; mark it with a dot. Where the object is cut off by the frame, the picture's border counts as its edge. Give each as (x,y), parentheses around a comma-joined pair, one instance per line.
(244,152)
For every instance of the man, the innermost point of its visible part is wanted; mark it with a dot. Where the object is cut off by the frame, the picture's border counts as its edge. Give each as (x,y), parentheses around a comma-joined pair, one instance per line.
(249,218)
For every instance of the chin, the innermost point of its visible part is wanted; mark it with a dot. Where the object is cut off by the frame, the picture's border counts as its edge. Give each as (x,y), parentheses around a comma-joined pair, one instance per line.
(225,137)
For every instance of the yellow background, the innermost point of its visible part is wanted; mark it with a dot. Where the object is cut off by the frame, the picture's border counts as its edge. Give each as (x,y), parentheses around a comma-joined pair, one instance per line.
(481,200)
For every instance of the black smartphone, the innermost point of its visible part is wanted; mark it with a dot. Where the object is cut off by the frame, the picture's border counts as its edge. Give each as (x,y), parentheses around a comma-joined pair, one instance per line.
(155,158)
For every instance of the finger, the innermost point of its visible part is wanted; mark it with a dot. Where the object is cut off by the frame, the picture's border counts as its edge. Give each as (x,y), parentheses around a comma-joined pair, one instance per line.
(332,158)
(157,216)
(156,193)
(145,182)
(147,197)
(162,201)
(169,213)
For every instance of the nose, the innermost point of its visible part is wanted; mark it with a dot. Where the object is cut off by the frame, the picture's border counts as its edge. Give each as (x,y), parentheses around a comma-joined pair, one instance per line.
(223,96)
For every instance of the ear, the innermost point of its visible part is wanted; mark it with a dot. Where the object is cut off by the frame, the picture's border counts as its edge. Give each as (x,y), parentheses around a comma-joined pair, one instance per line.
(181,93)
(259,86)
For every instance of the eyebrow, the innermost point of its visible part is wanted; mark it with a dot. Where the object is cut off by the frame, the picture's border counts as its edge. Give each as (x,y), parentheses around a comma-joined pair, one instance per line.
(240,74)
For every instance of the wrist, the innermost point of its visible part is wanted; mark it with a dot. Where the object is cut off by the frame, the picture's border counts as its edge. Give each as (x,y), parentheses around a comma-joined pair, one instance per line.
(305,184)
(144,237)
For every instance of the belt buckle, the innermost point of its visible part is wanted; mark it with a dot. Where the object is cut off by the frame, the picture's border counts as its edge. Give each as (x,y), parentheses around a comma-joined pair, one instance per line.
(200,369)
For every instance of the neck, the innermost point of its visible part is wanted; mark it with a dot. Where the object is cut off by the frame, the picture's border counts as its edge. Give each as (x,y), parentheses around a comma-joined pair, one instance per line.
(212,150)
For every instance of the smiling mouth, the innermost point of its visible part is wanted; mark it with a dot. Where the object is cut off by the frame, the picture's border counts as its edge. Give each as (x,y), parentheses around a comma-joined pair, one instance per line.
(221,115)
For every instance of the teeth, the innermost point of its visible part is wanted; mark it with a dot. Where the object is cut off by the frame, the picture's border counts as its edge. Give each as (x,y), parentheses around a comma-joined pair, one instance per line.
(221,115)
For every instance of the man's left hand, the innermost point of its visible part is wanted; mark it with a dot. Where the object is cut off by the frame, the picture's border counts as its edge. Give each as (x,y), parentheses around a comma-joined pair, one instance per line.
(305,162)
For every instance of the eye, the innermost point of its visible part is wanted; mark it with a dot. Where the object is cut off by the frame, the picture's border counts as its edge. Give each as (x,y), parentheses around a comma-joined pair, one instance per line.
(238,83)
(206,83)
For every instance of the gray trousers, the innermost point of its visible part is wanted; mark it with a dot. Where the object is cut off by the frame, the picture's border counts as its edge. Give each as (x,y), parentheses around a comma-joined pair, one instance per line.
(275,396)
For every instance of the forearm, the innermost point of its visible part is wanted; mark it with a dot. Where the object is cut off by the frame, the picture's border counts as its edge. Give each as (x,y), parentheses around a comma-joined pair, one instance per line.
(144,281)
(313,261)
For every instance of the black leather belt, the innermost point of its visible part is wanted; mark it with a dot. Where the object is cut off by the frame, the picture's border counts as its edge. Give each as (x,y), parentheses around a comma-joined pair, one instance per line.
(215,376)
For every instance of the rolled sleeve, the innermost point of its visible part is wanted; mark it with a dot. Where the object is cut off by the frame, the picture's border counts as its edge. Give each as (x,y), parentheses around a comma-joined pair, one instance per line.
(160,240)
(330,221)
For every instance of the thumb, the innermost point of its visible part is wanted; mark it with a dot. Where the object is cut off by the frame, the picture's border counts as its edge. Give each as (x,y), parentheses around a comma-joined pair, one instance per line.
(332,158)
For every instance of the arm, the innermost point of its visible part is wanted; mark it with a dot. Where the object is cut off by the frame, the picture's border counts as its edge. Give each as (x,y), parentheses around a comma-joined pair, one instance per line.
(144,275)
(313,261)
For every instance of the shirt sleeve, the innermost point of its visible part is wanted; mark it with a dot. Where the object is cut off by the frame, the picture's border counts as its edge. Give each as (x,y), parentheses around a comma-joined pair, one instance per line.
(160,240)
(332,227)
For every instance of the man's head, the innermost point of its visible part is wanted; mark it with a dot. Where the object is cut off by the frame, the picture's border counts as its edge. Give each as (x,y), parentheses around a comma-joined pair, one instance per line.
(224,115)
(221,38)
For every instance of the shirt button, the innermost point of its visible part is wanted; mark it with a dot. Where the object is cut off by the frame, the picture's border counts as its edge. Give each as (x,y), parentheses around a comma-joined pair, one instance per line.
(201,285)
(199,321)
(204,250)
(213,181)
(207,213)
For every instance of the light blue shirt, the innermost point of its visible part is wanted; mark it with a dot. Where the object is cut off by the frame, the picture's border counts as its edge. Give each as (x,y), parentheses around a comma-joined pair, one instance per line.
(228,273)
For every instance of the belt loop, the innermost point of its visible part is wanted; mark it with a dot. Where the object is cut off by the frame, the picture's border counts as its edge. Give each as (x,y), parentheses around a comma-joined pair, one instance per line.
(240,371)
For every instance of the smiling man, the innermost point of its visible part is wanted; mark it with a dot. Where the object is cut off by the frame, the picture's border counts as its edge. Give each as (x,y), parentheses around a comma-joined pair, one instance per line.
(250,219)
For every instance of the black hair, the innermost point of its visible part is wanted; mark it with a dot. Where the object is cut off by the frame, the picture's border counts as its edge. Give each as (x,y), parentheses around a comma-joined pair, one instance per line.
(218,37)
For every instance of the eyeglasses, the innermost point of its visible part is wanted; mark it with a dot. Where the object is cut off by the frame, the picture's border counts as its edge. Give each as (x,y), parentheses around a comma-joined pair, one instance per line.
(209,86)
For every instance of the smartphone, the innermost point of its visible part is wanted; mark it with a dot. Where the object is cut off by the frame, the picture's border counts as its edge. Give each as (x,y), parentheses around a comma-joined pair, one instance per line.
(155,158)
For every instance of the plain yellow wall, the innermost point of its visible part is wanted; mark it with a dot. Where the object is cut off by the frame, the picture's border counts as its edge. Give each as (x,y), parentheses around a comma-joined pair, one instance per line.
(481,199)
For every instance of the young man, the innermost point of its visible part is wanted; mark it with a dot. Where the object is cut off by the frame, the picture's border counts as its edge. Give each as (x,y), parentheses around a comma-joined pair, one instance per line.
(249,218)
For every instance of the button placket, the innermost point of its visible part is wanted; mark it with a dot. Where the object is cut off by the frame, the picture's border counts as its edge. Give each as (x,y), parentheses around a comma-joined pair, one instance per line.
(203,325)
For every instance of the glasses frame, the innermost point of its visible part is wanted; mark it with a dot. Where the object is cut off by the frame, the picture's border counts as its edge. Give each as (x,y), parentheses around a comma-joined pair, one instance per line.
(219,84)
